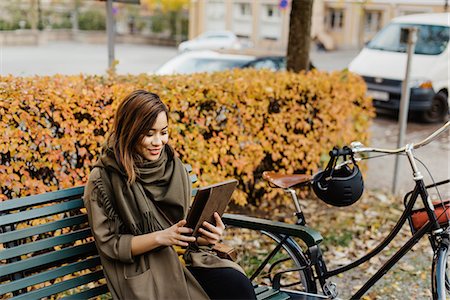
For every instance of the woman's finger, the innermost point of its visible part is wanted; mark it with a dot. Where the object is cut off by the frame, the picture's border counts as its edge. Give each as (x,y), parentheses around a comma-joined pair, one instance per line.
(184,230)
(208,226)
(183,244)
(181,223)
(186,238)
(209,235)
(212,228)
(219,222)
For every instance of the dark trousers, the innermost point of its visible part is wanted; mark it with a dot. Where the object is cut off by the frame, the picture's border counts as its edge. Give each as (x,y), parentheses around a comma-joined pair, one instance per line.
(224,283)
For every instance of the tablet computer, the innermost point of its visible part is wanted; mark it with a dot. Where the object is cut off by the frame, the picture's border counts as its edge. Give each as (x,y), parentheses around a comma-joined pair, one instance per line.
(209,199)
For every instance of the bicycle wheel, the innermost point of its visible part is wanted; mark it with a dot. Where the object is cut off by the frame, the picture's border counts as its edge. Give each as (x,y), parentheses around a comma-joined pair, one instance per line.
(271,256)
(440,271)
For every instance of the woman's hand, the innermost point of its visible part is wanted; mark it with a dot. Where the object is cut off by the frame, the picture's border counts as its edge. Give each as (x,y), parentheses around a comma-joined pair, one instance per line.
(175,235)
(210,234)
(171,236)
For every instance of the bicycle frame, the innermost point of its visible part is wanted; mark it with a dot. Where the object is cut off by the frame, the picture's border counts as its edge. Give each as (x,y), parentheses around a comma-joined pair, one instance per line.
(419,190)
(439,238)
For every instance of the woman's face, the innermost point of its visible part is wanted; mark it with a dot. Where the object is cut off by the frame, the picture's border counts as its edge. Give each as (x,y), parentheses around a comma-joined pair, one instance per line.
(153,142)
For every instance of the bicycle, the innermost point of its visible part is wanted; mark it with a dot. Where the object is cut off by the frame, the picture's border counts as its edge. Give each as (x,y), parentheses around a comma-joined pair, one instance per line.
(308,263)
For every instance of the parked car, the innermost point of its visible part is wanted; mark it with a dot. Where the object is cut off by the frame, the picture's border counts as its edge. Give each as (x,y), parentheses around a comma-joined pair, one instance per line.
(212,40)
(274,63)
(382,64)
(202,61)
(212,61)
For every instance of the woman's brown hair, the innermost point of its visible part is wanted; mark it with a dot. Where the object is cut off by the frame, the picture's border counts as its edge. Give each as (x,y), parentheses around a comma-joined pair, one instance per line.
(134,118)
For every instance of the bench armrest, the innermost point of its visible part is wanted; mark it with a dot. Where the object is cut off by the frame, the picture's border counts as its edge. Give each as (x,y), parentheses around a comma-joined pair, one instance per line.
(308,235)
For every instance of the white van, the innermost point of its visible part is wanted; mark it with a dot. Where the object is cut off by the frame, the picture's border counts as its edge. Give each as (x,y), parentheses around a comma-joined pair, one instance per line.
(382,64)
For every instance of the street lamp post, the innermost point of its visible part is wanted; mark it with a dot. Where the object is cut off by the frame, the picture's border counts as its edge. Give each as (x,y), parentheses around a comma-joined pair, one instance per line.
(409,35)
(110,31)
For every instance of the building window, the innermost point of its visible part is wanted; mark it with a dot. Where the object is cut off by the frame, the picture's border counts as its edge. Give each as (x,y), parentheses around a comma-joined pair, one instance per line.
(334,19)
(372,21)
(245,9)
(271,12)
(215,10)
(215,15)
(242,18)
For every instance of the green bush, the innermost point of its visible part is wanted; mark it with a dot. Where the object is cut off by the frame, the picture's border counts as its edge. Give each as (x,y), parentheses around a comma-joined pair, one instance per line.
(62,21)
(92,20)
(229,124)
(13,12)
(5,25)
(159,23)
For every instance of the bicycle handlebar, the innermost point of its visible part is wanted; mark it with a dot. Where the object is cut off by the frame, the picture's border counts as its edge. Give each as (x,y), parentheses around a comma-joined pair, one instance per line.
(357,147)
(340,152)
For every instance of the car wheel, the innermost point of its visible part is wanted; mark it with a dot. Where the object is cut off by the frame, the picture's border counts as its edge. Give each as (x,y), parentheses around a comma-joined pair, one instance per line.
(438,110)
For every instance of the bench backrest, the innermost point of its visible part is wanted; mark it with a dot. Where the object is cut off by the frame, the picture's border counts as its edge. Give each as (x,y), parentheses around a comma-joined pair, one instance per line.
(47,248)
(46,238)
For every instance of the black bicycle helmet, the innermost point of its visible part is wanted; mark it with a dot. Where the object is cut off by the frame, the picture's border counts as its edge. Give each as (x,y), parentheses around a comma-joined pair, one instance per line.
(339,187)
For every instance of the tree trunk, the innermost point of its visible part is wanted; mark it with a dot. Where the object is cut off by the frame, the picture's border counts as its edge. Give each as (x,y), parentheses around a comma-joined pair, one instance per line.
(33,15)
(299,35)
(40,23)
(74,16)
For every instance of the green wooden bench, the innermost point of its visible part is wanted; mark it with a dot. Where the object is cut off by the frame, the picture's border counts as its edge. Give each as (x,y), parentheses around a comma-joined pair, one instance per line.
(46,248)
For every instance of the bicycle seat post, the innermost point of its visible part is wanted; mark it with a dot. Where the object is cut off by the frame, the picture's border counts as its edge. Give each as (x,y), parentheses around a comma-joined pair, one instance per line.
(298,210)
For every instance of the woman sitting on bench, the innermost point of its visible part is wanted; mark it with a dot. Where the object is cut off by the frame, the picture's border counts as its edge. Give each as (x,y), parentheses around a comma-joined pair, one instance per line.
(137,198)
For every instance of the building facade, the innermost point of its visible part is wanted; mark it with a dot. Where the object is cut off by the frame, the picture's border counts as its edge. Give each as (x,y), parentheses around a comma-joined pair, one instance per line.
(337,24)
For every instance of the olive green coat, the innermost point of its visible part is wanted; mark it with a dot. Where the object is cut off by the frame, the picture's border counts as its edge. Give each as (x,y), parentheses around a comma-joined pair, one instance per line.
(157,274)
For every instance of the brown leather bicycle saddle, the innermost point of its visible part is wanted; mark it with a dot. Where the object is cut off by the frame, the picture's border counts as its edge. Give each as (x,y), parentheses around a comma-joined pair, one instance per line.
(286,181)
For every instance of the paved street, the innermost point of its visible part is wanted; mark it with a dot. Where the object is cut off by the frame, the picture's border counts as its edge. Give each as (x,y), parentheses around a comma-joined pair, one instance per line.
(436,155)
(75,58)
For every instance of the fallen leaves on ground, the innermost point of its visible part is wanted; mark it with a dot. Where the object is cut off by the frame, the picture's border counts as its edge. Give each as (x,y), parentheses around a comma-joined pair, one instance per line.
(349,233)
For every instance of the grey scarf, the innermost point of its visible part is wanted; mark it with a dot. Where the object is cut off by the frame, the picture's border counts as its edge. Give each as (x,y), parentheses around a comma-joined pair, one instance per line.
(158,198)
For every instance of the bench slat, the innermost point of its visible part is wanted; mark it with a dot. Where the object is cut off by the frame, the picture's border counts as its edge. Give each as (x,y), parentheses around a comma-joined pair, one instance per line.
(40,212)
(309,235)
(49,275)
(98,290)
(41,198)
(188,168)
(260,289)
(47,258)
(28,232)
(272,294)
(298,295)
(45,243)
(279,296)
(193,178)
(61,286)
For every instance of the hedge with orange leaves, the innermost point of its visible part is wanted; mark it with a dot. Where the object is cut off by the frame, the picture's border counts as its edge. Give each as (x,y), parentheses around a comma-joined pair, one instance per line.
(229,124)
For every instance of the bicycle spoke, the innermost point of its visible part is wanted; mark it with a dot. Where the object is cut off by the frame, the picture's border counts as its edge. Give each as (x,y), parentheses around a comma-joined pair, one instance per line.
(270,257)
